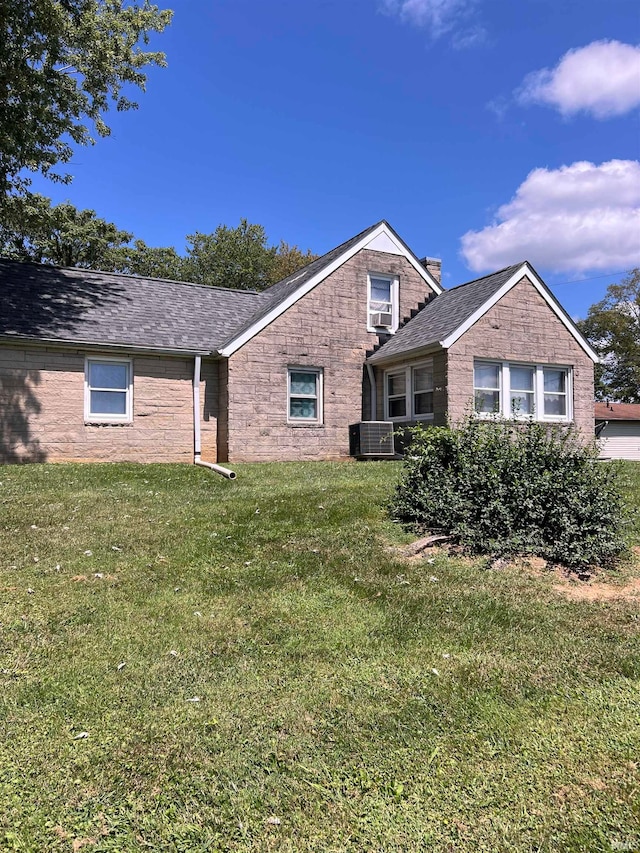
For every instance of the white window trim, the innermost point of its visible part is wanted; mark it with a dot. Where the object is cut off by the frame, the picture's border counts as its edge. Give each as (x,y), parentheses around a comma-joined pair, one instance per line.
(103,418)
(318,396)
(538,393)
(408,384)
(395,300)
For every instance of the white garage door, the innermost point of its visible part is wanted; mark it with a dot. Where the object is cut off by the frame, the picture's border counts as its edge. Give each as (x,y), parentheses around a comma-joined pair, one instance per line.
(620,440)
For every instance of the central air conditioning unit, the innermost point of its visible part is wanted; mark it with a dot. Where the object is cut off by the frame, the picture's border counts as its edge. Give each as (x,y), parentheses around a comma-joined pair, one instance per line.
(371,439)
(381,318)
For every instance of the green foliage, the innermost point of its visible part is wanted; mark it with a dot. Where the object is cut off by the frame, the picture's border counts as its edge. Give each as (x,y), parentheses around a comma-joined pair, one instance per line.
(61,66)
(149,261)
(364,704)
(504,488)
(230,257)
(240,257)
(289,259)
(613,328)
(34,230)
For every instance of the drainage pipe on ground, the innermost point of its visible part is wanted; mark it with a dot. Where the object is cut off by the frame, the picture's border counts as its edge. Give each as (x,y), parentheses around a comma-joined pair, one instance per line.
(219,469)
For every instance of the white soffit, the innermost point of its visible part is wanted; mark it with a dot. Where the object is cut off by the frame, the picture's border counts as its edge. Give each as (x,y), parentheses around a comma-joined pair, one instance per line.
(383,243)
(525,269)
(381,231)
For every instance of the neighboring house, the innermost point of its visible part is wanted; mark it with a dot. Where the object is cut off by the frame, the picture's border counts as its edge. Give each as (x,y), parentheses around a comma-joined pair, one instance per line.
(618,430)
(97,366)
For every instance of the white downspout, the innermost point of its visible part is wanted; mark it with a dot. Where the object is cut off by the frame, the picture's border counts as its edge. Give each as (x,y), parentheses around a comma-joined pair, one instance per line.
(374,392)
(197,443)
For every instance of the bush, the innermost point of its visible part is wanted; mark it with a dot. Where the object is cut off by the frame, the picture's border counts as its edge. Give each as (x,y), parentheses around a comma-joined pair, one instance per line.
(503,488)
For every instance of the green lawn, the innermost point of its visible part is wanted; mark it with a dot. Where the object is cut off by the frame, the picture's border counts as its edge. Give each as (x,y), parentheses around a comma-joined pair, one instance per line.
(347,701)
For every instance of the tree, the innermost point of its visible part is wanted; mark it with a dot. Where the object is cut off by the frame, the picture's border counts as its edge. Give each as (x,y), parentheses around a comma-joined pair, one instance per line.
(613,328)
(34,230)
(150,261)
(230,257)
(288,259)
(62,64)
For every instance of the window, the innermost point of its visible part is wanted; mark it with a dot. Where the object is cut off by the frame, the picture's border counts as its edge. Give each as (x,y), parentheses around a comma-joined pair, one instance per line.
(409,393)
(396,394)
(382,303)
(305,395)
(108,390)
(422,387)
(522,391)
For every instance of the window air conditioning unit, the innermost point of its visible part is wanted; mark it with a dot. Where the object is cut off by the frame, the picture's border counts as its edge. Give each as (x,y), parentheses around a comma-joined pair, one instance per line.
(371,439)
(381,318)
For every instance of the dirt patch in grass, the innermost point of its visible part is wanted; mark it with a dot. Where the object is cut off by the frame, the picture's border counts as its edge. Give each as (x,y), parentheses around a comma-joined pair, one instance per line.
(578,590)
(592,585)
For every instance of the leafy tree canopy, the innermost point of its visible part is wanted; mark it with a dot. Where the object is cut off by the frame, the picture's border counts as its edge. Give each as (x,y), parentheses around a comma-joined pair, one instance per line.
(231,257)
(32,229)
(613,328)
(62,64)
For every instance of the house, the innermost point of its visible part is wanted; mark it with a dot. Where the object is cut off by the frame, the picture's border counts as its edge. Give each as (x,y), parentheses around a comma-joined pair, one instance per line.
(98,366)
(618,430)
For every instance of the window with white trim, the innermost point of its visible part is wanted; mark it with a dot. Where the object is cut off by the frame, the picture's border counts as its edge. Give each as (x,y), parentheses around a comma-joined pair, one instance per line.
(382,303)
(522,391)
(304,397)
(408,392)
(108,394)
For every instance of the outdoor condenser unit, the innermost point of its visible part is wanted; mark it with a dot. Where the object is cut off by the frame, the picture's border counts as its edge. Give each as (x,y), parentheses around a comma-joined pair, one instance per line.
(371,438)
(381,318)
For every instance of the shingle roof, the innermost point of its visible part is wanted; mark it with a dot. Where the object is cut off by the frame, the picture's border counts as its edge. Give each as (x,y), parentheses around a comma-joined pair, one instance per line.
(443,315)
(83,306)
(617,411)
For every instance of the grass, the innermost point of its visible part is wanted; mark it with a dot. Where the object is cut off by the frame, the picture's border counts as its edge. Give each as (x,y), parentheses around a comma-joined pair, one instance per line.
(347,701)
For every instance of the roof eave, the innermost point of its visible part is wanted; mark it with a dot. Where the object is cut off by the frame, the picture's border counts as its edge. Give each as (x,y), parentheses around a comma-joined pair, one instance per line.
(102,345)
(414,352)
(543,290)
(235,342)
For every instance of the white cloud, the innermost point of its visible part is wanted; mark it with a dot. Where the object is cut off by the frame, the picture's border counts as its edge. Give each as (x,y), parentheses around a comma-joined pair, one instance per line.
(438,17)
(576,218)
(602,78)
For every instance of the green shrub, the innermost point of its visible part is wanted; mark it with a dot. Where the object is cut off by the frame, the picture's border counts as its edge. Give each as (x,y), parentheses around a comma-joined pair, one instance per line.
(502,487)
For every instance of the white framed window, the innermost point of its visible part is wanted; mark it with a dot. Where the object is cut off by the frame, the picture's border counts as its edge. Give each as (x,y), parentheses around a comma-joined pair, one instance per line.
(108,390)
(382,303)
(408,392)
(304,395)
(522,391)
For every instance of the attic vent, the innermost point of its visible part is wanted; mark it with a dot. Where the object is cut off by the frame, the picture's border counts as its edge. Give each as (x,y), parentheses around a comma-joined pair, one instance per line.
(381,318)
(371,438)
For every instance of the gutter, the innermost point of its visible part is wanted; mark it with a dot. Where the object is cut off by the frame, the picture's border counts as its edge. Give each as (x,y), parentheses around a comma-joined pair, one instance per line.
(13,340)
(197,443)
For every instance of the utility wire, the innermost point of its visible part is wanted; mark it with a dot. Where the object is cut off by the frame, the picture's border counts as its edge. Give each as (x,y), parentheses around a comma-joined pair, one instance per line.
(593,278)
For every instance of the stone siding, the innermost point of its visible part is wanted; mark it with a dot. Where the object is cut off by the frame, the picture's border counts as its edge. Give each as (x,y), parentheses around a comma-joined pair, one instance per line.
(42,410)
(520,327)
(325,329)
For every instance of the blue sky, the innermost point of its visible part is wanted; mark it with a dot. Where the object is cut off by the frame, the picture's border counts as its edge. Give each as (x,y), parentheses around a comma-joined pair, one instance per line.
(484,131)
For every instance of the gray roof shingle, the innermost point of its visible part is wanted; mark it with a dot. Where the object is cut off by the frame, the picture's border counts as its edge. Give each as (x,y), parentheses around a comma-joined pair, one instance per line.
(84,306)
(443,315)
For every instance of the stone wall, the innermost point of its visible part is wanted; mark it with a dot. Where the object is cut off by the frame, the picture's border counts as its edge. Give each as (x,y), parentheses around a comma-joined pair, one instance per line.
(42,410)
(326,329)
(520,327)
